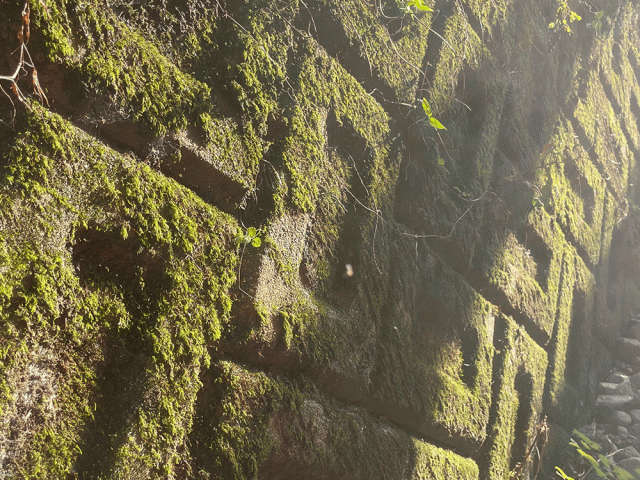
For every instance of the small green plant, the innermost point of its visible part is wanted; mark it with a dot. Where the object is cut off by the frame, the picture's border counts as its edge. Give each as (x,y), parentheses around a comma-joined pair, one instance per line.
(250,236)
(597,22)
(564,17)
(435,123)
(419,5)
(588,458)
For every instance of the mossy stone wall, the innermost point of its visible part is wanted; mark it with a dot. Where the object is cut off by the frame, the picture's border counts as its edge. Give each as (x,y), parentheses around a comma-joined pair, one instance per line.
(418,299)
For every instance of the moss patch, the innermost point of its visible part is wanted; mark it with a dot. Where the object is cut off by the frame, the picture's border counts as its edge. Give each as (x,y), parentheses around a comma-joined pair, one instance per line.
(130,257)
(520,366)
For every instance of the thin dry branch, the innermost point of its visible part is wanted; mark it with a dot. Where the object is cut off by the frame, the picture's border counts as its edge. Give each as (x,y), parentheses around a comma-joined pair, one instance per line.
(25,66)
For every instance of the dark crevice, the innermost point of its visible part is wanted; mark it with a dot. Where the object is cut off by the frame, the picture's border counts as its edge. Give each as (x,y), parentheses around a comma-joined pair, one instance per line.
(524,390)
(97,116)
(575,351)
(470,345)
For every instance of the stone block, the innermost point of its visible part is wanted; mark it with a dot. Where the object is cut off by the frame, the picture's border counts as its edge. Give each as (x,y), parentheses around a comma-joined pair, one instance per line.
(628,452)
(614,401)
(617,378)
(627,350)
(620,418)
(623,388)
(635,417)
(634,429)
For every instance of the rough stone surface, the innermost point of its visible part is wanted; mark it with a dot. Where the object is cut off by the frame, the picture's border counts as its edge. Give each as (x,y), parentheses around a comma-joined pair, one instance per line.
(620,418)
(613,401)
(627,452)
(622,388)
(235,243)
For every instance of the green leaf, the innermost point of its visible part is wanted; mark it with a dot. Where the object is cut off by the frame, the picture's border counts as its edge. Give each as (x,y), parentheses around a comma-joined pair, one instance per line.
(622,474)
(251,231)
(562,474)
(552,25)
(441,162)
(436,123)
(426,107)
(419,4)
(256,242)
(585,441)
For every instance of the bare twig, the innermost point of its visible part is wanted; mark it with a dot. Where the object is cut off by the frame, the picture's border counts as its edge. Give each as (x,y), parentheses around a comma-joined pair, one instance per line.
(25,62)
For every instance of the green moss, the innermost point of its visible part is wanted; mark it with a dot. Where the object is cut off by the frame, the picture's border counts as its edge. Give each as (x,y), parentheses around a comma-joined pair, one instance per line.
(597,118)
(463,47)
(146,86)
(612,52)
(575,192)
(323,86)
(519,361)
(233,431)
(253,421)
(393,55)
(436,463)
(167,304)
(489,13)
(515,273)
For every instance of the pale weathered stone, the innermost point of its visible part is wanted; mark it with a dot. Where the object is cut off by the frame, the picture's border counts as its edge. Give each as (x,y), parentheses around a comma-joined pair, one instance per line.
(635,416)
(628,452)
(622,388)
(616,377)
(614,401)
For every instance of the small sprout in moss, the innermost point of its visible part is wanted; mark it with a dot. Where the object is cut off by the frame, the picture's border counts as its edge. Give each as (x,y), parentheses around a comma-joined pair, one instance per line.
(419,6)
(250,236)
(461,194)
(537,203)
(597,22)
(435,123)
